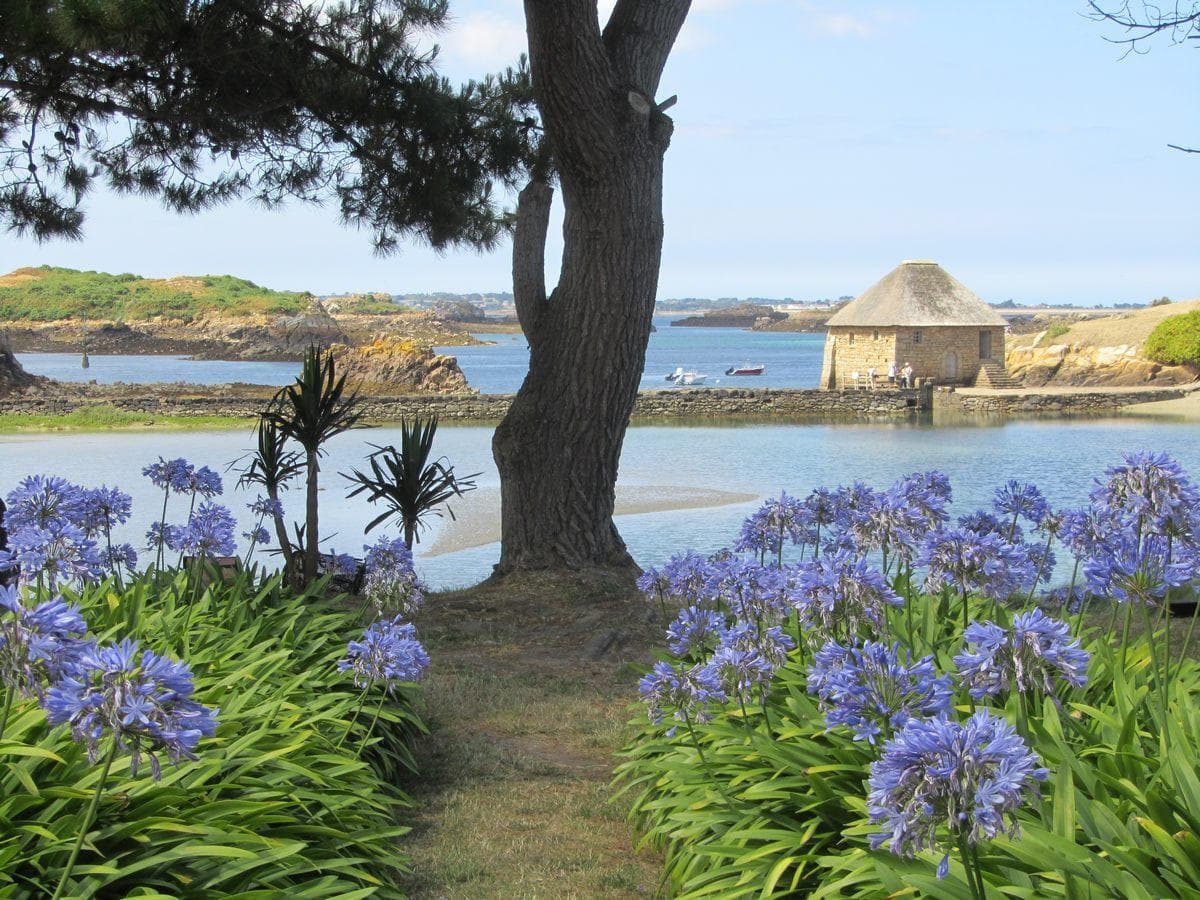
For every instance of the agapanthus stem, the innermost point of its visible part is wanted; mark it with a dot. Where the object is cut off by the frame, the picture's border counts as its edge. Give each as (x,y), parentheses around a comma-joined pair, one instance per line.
(704,761)
(968,867)
(374,719)
(88,816)
(1164,688)
(162,527)
(358,709)
(1041,568)
(10,694)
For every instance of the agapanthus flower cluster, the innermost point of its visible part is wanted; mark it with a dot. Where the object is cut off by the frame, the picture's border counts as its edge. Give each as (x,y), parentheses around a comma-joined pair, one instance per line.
(388,654)
(1035,654)
(779,520)
(265,508)
(102,509)
(256,536)
(203,482)
(684,693)
(750,591)
(39,501)
(971,563)
(1148,494)
(391,584)
(139,701)
(38,646)
(837,594)
(1020,500)
(875,687)
(939,779)
(926,494)
(54,554)
(170,474)
(209,532)
(695,631)
(888,522)
(1128,570)
(740,670)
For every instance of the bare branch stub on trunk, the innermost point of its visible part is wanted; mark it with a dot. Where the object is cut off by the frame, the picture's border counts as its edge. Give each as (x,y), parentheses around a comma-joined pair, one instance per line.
(558,448)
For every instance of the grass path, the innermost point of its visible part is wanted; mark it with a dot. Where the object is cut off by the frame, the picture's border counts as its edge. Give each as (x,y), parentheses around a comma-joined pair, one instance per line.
(527,700)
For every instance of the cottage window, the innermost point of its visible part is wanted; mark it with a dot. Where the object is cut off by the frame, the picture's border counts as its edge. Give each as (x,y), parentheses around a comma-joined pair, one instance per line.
(916,337)
(851,339)
(876,336)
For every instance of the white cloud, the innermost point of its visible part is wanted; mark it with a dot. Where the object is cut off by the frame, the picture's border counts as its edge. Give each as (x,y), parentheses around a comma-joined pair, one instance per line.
(844,24)
(485,39)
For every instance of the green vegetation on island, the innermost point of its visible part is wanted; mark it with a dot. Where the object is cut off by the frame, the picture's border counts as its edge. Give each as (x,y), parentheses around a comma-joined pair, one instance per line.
(106,417)
(1176,341)
(48,293)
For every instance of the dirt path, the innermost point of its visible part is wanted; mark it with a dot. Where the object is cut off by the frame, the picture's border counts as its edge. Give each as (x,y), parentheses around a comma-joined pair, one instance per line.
(526,709)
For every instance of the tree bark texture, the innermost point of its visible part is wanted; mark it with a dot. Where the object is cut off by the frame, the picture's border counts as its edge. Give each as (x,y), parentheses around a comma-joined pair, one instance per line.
(312,548)
(559,447)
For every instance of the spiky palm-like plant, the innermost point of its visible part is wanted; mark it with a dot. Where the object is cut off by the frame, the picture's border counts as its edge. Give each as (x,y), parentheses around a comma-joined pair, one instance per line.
(407,481)
(310,411)
(270,466)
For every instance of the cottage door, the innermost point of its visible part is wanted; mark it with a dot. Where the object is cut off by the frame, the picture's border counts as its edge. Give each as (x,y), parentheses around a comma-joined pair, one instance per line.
(985,345)
(950,366)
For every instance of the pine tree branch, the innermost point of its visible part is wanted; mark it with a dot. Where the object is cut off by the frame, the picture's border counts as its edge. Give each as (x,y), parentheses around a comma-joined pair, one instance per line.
(639,37)
(529,254)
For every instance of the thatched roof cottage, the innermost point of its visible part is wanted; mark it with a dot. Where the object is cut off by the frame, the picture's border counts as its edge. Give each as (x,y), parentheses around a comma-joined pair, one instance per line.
(918,314)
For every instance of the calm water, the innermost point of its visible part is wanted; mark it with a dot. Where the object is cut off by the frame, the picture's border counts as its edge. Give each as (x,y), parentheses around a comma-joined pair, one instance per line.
(1062,457)
(792,360)
(155,369)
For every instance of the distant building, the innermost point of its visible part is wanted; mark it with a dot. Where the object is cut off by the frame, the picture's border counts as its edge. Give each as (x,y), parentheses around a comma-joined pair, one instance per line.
(916,314)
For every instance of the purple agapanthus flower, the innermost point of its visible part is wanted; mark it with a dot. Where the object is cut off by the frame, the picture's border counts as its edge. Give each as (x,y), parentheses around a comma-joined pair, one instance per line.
(975,563)
(209,532)
(388,654)
(837,594)
(40,501)
(1020,499)
(939,779)
(779,520)
(752,592)
(740,670)
(58,553)
(983,522)
(391,584)
(102,509)
(141,701)
(686,575)
(1140,572)
(1149,493)
(170,474)
(38,646)
(1035,654)
(204,482)
(873,687)
(695,630)
(388,553)
(119,556)
(170,536)
(265,507)
(926,495)
(683,693)
(257,536)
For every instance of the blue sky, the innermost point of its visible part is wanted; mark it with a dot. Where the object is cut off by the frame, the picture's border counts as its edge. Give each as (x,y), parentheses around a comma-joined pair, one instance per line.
(817,144)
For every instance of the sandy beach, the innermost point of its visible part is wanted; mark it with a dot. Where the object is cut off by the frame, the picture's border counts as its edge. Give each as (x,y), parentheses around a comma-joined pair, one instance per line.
(477,515)
(1185,408)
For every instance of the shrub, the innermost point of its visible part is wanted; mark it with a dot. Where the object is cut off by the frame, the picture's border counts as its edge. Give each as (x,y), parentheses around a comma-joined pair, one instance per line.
(1176,341)
(1055,331)
(276,804)
(783,779)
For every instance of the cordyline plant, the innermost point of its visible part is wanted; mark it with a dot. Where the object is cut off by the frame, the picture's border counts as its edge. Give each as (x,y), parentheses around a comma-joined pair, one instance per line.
(407,481)
(271,466)
(311,411)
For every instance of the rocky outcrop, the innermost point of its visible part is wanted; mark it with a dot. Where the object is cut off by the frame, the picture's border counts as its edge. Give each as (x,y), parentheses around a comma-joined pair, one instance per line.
(745,315)
(390,365)
(1086,365)
(13,377)
(458,311)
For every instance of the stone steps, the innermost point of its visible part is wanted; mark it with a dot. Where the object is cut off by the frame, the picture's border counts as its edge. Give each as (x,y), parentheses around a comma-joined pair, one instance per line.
(993,376)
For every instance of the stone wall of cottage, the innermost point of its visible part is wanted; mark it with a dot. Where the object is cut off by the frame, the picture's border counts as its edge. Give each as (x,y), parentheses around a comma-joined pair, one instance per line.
(850,349)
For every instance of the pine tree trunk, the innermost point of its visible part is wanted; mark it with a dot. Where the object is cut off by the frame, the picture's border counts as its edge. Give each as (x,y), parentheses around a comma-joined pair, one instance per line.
(559,447)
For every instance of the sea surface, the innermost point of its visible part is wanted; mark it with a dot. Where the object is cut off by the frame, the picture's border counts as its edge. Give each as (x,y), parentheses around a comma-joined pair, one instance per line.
(1062,457)
(791,360)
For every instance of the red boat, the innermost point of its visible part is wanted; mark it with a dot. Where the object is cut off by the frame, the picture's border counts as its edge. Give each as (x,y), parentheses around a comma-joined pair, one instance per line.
(745,370)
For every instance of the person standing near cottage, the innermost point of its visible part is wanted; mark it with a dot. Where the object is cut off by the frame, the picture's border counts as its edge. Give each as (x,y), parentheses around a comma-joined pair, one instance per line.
(907,374)
(892,374)
(871,373)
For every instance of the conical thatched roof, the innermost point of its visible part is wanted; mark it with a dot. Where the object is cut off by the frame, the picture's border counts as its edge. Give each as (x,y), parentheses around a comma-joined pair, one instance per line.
(917,292)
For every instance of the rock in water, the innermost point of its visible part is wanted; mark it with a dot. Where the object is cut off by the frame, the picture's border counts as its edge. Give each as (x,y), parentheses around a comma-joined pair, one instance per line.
(390,365)
(13,377)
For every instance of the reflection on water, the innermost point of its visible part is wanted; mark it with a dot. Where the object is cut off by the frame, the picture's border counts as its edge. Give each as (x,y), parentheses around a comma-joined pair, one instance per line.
(1062,457)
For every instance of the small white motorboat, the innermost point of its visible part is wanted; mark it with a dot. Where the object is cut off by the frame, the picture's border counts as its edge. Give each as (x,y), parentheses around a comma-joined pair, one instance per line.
(691,379)
(674,376)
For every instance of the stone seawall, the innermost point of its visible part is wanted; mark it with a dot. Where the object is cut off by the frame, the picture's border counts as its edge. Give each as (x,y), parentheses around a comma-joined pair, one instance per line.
(702,403)
(1051,403)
